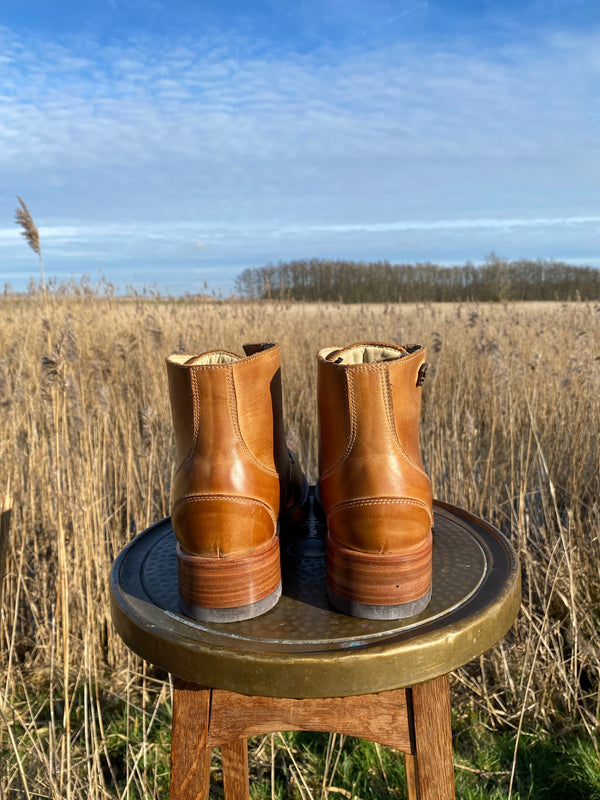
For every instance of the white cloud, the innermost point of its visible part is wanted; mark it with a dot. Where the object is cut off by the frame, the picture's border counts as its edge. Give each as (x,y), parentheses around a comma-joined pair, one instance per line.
(133,103)
(187,232)
(223,139)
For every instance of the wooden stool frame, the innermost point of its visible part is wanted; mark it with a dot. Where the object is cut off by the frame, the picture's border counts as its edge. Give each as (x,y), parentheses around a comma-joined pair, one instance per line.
(414,720)
(304,666)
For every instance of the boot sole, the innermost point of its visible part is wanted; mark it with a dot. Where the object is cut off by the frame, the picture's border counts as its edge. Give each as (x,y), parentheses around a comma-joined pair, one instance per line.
(229,589)
(379,586)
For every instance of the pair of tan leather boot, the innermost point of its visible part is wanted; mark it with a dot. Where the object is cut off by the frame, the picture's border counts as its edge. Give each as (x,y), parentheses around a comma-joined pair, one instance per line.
(237,479)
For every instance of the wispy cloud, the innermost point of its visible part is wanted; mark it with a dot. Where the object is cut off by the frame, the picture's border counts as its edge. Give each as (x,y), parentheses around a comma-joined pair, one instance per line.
(221,138)
(217,102)
(214,234)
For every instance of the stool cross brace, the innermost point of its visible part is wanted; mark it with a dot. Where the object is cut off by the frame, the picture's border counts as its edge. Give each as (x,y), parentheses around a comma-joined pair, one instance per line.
(415,721)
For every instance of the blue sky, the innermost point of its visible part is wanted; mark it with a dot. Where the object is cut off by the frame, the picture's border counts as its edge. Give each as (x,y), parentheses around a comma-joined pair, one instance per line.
(176,143)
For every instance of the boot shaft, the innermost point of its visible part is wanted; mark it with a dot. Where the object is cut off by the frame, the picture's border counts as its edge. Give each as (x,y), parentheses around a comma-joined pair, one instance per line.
(235,475)
(227,414)
(369,398)
(222,402)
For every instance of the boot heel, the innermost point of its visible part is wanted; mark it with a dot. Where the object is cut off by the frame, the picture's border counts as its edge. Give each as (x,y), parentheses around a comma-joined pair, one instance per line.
(229,589)
(379,586)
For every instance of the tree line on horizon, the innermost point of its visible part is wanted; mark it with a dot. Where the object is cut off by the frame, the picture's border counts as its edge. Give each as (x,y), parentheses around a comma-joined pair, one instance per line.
(496,280)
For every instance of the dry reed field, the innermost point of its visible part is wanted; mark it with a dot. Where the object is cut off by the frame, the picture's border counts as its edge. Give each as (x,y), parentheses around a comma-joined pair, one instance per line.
(509,430)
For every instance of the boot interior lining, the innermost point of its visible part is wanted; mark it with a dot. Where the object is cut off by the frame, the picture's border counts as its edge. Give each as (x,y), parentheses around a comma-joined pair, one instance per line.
(211,358)
(364,354)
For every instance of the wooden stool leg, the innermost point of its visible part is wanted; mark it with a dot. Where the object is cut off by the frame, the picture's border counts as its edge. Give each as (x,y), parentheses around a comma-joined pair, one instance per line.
(190,753)
(433,757)
(202,719)
(411,777)
(235,770)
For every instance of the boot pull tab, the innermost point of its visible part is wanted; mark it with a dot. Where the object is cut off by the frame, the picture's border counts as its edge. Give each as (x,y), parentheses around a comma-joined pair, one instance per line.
(422,373)
(252,349)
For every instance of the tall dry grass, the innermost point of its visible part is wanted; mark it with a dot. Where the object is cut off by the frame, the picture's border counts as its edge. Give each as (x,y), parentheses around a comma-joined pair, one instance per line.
(510,430)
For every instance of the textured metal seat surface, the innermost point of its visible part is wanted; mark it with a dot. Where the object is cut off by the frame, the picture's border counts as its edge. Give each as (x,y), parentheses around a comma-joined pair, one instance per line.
(303,647)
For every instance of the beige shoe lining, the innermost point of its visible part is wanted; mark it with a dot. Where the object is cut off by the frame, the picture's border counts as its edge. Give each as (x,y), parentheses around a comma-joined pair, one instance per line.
(327,351)
(210,358)
(362,354)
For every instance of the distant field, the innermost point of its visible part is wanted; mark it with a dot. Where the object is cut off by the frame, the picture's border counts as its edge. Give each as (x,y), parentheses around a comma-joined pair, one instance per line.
(510,431)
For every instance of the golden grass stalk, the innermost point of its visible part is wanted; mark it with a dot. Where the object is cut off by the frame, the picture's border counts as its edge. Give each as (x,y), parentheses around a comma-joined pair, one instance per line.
(511,411)
(5,514)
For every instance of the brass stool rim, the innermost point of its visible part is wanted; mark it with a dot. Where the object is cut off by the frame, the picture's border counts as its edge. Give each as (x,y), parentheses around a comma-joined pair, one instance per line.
(303,647)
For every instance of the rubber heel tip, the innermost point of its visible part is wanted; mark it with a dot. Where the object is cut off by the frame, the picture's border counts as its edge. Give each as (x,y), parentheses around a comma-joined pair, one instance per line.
(367,611)
(234,614)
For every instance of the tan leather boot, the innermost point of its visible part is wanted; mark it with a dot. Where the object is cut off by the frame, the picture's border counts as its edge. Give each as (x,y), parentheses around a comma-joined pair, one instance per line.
(372,484)
(236,476)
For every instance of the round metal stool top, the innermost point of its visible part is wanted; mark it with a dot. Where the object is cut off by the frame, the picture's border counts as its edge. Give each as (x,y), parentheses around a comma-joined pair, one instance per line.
(303,647)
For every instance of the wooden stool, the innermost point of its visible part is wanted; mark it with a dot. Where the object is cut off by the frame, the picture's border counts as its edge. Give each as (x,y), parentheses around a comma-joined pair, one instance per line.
(303,666)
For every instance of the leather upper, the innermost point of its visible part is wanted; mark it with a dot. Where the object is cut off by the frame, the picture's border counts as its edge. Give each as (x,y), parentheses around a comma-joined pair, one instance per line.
(372,482)
(233,462)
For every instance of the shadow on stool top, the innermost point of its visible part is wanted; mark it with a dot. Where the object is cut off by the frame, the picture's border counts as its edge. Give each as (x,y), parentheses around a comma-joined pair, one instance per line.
(303,647)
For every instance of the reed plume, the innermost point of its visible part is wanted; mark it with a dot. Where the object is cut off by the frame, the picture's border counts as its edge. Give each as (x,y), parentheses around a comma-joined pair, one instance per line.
(31,234)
